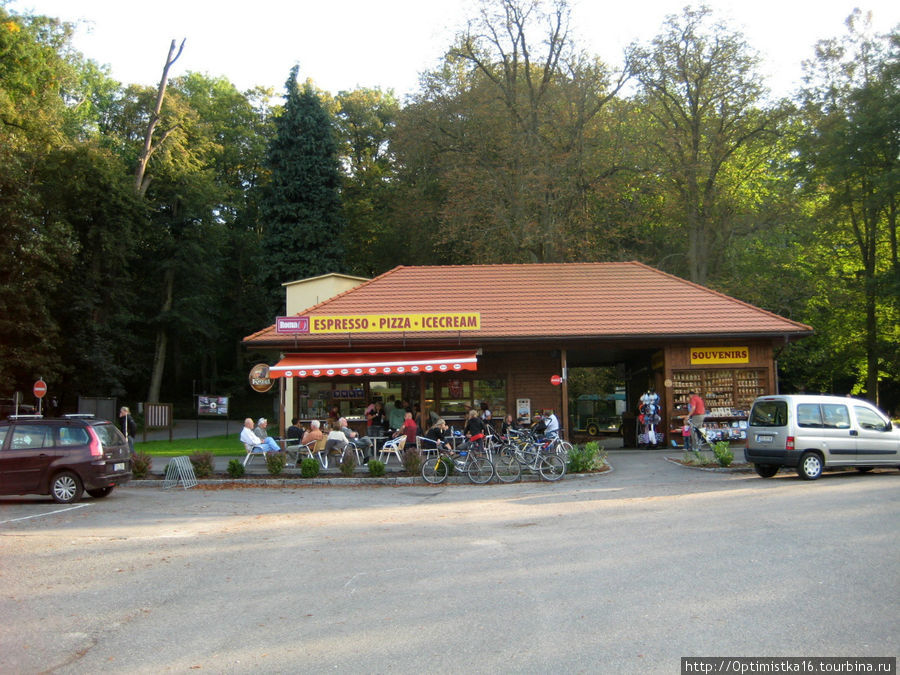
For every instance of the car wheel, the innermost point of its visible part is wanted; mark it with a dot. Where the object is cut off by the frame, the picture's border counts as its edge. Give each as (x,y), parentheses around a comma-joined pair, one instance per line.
(100,493)
(593,430)
(65,488)
(766,470)
(810,466)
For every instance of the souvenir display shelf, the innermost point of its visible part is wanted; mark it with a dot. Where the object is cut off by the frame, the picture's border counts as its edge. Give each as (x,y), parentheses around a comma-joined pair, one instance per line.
(728,394)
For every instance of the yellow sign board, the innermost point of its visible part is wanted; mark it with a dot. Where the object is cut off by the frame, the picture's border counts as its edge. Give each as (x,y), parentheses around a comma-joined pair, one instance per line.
(705,355)
(395,323)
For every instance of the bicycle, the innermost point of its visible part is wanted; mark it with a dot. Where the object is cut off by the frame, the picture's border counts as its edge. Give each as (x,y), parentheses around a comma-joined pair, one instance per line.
(533,456)
(700,441)
(478,470)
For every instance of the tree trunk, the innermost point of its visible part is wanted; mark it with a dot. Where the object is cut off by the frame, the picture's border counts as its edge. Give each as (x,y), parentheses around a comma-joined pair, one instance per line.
(162,340)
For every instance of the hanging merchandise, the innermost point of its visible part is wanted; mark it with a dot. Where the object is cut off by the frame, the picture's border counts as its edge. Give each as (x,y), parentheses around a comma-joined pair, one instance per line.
(648,419)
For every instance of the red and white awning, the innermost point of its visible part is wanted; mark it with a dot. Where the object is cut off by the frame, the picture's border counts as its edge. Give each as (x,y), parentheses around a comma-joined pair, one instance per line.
(373,364)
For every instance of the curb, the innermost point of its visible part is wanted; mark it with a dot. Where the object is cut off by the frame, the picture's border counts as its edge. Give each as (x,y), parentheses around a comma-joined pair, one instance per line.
(351,482)
(713,469)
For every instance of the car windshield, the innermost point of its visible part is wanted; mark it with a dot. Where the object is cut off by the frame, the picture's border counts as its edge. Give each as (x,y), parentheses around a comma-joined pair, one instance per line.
(769,414)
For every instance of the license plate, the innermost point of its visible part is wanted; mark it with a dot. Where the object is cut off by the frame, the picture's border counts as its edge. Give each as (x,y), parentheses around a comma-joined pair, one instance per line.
(764,438)
(119,466)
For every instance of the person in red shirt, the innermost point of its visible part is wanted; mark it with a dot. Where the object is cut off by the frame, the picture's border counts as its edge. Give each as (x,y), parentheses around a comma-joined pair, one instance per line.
(409,429)
(696,409)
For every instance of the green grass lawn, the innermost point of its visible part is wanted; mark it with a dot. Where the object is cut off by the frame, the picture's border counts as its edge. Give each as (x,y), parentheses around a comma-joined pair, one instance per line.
(220,446)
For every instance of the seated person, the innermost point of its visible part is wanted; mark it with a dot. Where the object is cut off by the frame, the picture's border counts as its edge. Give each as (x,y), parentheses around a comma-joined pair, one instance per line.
(336,442)
(294,432)
(508,423)
(314,433)
(249,438)
(361,442)
(438,435)
(538,425)
(261,430)
(408,429)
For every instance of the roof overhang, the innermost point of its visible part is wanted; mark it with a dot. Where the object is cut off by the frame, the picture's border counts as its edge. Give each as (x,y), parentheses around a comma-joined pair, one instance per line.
(369,364)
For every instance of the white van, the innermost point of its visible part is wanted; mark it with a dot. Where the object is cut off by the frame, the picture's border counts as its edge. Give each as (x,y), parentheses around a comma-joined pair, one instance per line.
(812,433)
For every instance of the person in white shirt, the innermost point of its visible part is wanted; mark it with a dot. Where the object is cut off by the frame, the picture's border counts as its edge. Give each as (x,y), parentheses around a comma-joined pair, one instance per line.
(248,437)
(336,441)
(552,424)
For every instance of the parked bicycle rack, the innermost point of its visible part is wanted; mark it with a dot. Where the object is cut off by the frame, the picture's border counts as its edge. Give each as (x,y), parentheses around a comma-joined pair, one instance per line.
(180,470)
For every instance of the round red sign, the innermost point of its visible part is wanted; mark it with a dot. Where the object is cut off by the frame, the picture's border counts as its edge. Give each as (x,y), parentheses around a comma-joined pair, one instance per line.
(556,380)
(40,388)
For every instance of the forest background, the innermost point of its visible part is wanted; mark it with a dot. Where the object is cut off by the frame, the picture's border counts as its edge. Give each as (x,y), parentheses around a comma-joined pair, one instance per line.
(147,230)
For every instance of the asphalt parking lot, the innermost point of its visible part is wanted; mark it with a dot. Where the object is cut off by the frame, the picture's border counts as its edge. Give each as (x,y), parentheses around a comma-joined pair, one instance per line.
(624,572)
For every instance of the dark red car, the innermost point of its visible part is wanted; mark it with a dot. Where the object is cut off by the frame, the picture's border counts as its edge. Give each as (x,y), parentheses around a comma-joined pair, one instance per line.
(62,457)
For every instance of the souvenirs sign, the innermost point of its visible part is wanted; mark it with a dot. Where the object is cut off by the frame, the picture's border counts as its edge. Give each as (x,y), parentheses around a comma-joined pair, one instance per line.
(701,355)
(394,323)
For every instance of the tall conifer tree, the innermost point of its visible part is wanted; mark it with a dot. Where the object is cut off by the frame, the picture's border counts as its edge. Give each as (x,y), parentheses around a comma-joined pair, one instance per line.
(300,212)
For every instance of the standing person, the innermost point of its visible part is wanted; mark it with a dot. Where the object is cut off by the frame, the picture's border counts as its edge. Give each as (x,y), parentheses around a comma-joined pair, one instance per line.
(696,410)
(127,426)
(474,430)
(396,415)
(551,422)
(375,421)
(686,435)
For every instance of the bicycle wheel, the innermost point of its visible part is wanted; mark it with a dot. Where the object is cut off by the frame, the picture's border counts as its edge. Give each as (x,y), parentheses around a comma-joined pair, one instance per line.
(479,469)
(506,450)
(435,470)
(508,469)
(563,448)
(551,467)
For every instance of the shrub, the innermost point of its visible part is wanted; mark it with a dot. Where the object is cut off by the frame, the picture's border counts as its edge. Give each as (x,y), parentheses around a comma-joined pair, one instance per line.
(376,468)
(723,453)
(309,467)
(141,463)
(203,464)
(275,462)
(694,458)
(412,461)
(586,458)
(348,464)
(235,468)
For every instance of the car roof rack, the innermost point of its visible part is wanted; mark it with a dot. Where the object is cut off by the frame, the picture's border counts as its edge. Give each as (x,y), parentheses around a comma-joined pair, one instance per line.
(79,416)
(25,417)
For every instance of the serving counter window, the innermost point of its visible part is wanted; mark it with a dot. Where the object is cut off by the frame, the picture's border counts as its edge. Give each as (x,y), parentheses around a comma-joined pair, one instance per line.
(316,399)
(455,398)
(492,392)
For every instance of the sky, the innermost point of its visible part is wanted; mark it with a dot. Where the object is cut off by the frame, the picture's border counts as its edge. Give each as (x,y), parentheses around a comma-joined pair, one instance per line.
(347,44)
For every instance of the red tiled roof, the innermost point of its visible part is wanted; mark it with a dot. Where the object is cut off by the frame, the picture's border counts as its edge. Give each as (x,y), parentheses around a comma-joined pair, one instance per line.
(545,301)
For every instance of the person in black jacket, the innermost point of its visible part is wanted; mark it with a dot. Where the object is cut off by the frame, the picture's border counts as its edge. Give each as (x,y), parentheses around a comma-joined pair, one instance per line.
(127,426)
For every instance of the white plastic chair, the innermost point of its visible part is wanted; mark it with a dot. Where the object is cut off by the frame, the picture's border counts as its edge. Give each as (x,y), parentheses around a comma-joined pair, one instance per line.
(426,445)
(392,447)
(254,451)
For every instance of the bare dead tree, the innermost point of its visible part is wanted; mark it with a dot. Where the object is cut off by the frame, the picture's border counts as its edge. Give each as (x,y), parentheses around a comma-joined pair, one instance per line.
(141,180)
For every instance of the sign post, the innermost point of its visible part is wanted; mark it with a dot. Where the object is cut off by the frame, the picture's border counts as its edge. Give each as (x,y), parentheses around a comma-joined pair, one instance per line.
(40,389)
